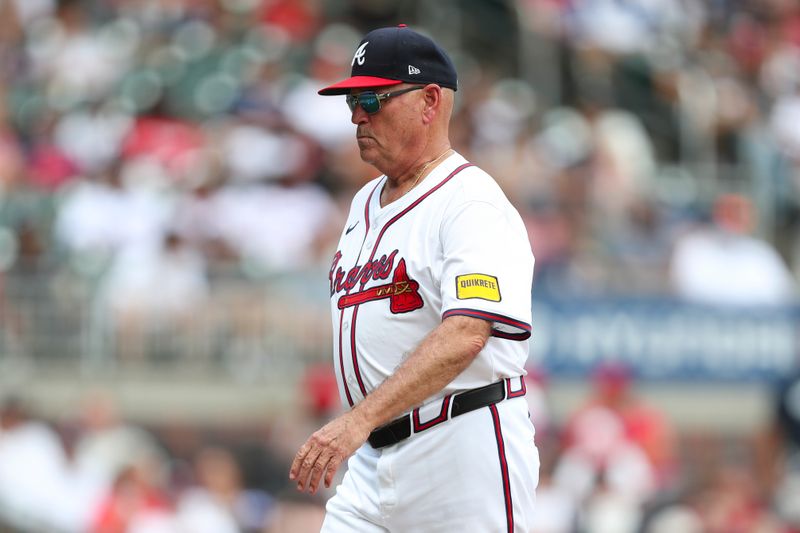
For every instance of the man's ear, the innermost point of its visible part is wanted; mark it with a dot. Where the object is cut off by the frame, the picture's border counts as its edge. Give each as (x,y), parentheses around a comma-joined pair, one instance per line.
(432,96)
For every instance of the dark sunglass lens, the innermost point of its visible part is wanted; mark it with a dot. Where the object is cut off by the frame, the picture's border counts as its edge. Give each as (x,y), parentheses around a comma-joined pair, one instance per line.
(370,102)
(352,101)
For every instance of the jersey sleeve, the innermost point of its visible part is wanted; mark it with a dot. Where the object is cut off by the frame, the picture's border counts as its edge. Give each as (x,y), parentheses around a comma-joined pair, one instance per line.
(487,268)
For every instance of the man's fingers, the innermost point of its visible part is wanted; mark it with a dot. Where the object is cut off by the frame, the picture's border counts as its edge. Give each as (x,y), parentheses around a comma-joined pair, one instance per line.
(332,468)
(322,464)
(309,472)
(324,471)
(294,471)
(320,456)
(303,463)
(307,466)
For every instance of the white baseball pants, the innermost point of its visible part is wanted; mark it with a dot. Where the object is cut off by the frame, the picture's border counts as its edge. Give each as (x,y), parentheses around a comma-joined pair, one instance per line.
(474,473)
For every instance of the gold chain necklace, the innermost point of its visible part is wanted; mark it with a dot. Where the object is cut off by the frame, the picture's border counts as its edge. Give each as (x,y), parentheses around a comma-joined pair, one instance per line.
(425,167)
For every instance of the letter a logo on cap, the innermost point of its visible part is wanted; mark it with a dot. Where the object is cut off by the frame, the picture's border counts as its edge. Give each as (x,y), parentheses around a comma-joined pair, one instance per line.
(359,55)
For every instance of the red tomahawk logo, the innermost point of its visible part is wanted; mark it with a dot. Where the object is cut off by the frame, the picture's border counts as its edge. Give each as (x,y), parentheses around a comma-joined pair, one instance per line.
(403,293)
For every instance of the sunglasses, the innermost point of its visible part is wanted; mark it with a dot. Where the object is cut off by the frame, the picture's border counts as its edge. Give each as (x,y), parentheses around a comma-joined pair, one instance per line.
(370,101)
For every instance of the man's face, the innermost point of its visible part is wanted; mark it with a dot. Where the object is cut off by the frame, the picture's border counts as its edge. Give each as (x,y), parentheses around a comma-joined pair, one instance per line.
(385,136)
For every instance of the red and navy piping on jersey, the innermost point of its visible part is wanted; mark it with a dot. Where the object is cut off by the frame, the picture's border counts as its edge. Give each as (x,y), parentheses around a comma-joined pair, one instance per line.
(354,355)
(341,314)
(415,203)
(501,454)
(494,317)
(360,382)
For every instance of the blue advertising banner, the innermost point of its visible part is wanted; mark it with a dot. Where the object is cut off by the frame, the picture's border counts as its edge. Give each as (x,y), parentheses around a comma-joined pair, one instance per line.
(665,339)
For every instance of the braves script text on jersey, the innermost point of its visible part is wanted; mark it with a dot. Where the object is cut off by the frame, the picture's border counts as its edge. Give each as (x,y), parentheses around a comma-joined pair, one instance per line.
(454,245)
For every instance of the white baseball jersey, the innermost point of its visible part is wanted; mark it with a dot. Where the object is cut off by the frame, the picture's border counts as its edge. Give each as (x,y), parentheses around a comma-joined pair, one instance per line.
(453,245)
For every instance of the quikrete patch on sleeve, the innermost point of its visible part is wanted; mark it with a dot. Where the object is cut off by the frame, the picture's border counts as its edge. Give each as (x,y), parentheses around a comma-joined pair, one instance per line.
(480,286)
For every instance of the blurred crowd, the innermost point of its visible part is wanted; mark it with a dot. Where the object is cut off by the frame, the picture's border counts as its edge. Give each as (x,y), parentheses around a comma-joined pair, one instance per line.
(93,472)
(615,464)
(157,151)
(618,464)
(161,142)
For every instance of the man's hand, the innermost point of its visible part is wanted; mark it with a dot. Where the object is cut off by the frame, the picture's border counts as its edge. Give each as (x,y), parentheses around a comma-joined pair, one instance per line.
(326,450)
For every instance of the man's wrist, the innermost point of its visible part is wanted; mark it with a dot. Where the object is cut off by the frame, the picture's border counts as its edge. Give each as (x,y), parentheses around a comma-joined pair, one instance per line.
(360,418)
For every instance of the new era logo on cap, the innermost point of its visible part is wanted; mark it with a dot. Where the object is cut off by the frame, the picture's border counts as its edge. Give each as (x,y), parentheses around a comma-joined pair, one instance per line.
(396,55)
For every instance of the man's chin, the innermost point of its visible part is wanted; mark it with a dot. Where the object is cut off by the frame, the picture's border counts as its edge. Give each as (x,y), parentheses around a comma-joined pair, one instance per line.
(367,152)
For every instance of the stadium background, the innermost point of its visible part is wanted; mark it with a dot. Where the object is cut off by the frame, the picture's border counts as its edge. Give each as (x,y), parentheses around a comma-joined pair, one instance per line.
(171,190)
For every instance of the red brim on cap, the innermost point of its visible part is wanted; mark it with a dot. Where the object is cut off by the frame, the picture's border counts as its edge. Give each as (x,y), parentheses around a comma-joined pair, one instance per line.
(357,82)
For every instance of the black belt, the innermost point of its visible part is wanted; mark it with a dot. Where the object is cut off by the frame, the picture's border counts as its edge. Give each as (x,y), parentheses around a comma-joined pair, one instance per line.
(463,402)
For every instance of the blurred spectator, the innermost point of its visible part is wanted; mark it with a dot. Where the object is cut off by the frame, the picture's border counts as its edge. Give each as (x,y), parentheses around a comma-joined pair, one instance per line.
(326,120)
(616,442)
(254,153)
(624,162)
(92,138)
(636,26)
(608,510)
(33,470)
(639,246)
(220,503)
(199,219)
(281,226)
(299,18)
(158,291)
(75,60)
(731,503)
(602,457)
(121,468)
(135,503)
(644,424)
(118,211)
(164,141)
(722,264)
(106,444)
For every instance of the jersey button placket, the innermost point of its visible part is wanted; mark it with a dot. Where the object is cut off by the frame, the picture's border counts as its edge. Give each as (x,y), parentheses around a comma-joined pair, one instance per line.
(352,382)
(387,494)
(354,389)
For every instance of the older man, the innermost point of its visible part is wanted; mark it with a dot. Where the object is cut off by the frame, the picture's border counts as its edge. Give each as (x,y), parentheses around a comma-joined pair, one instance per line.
(430,298)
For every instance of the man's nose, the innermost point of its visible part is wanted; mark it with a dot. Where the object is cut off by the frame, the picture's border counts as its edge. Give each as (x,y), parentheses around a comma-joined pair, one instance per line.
(359,116)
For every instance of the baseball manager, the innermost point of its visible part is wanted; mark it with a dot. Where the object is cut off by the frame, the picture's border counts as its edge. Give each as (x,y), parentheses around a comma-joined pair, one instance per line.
(431,306)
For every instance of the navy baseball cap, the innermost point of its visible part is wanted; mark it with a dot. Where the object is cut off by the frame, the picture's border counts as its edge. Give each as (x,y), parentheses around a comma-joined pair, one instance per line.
(395,55)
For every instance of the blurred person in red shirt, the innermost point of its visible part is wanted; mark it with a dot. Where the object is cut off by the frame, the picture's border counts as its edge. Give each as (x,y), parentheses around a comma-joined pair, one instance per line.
(640,424)
(135,495)
(299,18)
